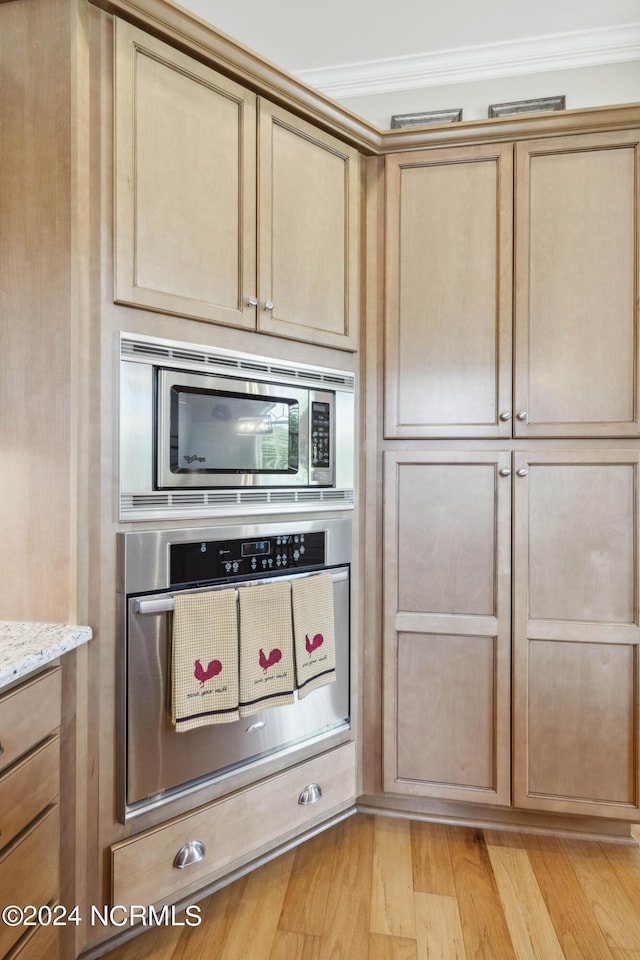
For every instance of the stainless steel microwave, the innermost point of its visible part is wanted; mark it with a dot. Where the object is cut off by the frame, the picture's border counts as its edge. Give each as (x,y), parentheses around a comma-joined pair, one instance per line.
(205,432)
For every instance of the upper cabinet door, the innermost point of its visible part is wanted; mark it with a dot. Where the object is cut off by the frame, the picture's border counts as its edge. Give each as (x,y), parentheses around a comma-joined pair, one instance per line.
(449,292)
(309,232)
(577,286)
(185,205)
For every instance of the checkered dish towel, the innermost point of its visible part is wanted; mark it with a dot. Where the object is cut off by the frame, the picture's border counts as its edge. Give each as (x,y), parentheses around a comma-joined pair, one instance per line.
(204,659)
(266,647)
(314,632)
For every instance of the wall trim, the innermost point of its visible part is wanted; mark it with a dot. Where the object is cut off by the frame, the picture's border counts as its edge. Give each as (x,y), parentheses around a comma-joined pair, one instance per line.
(562,51)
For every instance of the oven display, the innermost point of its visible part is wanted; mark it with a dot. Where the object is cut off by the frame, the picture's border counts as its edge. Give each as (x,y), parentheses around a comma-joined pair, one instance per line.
(256,548)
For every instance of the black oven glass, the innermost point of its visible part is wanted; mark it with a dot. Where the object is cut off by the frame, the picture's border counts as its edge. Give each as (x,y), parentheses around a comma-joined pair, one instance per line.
(224,432)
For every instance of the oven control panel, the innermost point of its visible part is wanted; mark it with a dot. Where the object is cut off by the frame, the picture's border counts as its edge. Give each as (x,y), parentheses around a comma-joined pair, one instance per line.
(226,559)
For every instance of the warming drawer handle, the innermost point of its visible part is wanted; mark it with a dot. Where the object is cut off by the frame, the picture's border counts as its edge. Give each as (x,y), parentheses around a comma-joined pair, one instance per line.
(165,604)
(190,853)
(310,794)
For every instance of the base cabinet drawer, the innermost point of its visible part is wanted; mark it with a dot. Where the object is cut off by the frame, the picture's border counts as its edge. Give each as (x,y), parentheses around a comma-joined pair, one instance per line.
(29,714)
(143,867)
(29,871)
(43,942)
(27,788)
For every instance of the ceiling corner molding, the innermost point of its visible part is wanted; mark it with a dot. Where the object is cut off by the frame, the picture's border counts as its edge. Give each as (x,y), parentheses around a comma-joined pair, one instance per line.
(562,51)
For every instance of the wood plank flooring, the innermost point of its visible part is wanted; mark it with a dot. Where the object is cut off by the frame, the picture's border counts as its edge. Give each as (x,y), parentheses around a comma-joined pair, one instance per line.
(380,888)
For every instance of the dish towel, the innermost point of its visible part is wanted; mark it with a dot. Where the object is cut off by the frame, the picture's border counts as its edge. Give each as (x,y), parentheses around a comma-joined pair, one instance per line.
(204,659)
(314,632)
(266,647)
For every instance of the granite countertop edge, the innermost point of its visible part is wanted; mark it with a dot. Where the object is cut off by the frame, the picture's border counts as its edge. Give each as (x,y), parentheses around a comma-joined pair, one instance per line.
(27,646)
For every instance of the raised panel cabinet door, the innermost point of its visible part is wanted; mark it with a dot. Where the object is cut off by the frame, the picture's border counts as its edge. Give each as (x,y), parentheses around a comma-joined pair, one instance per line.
(447,663)
(309,232)
(448,300)
(185,203)
(576,632)
(576,285)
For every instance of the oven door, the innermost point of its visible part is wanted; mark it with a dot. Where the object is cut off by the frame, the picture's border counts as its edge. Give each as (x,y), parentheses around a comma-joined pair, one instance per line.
(160,764)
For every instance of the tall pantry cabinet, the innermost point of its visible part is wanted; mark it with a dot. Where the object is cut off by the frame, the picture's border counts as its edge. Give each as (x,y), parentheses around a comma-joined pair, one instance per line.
(511,425)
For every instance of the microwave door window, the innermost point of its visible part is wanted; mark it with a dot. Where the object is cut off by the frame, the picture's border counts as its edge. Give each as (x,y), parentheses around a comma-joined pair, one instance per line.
(224,433)
(276,438)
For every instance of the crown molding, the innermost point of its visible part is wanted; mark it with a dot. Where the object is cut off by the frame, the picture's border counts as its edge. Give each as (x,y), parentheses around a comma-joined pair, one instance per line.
(562,51)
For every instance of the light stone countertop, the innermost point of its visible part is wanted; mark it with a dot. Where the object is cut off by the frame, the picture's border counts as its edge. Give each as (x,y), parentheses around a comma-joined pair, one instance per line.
(25,646)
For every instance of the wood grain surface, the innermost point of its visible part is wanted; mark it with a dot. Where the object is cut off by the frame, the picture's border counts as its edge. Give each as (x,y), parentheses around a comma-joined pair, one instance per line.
(382,888)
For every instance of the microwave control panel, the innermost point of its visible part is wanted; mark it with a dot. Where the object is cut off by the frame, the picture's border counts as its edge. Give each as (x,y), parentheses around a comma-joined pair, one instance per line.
(320,435)
(204,561)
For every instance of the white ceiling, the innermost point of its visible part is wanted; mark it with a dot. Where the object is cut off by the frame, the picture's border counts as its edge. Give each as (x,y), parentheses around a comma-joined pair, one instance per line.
(306,38)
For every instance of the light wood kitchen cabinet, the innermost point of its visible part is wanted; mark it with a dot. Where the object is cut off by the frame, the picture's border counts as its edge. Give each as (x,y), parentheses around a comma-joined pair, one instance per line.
(448,292)
(576,286)
(188,189)
(448,311)
(308,186)
(448,635)
(576,632)
(447,625)
(185,203)
(29,809)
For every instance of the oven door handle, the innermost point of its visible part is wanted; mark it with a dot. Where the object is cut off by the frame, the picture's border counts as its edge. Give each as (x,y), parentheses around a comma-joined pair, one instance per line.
(165,604)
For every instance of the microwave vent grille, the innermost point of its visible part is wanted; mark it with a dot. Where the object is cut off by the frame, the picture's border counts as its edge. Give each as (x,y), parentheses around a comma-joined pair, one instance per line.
(183,504)
(283,496)
(150,351)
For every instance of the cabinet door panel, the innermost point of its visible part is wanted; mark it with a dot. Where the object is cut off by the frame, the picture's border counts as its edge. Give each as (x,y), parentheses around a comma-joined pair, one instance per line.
(581,703)
(185,184)
(309,185)
(448,737)
(576,633)
(448,292)
(582,537)
(447,630)
(447,546)
(577,285)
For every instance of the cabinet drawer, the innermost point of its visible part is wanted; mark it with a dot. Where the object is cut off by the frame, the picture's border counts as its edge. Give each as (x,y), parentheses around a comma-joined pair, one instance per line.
(43,942)
(29,787)
(29,871)
(230,829)
(28,714)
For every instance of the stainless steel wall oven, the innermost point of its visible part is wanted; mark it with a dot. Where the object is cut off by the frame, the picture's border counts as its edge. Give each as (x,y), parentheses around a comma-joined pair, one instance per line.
(157,764)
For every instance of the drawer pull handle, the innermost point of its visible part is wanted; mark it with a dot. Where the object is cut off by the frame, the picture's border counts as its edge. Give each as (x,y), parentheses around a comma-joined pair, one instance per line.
(1,749)
(310,794)
(192,852)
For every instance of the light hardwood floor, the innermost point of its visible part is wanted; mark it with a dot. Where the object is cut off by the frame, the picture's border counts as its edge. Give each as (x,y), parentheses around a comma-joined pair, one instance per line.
(379,888)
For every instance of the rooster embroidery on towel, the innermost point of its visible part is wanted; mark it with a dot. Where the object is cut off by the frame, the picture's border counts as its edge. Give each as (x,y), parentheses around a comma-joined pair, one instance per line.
(274,657)
(203,675)
(312,645)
